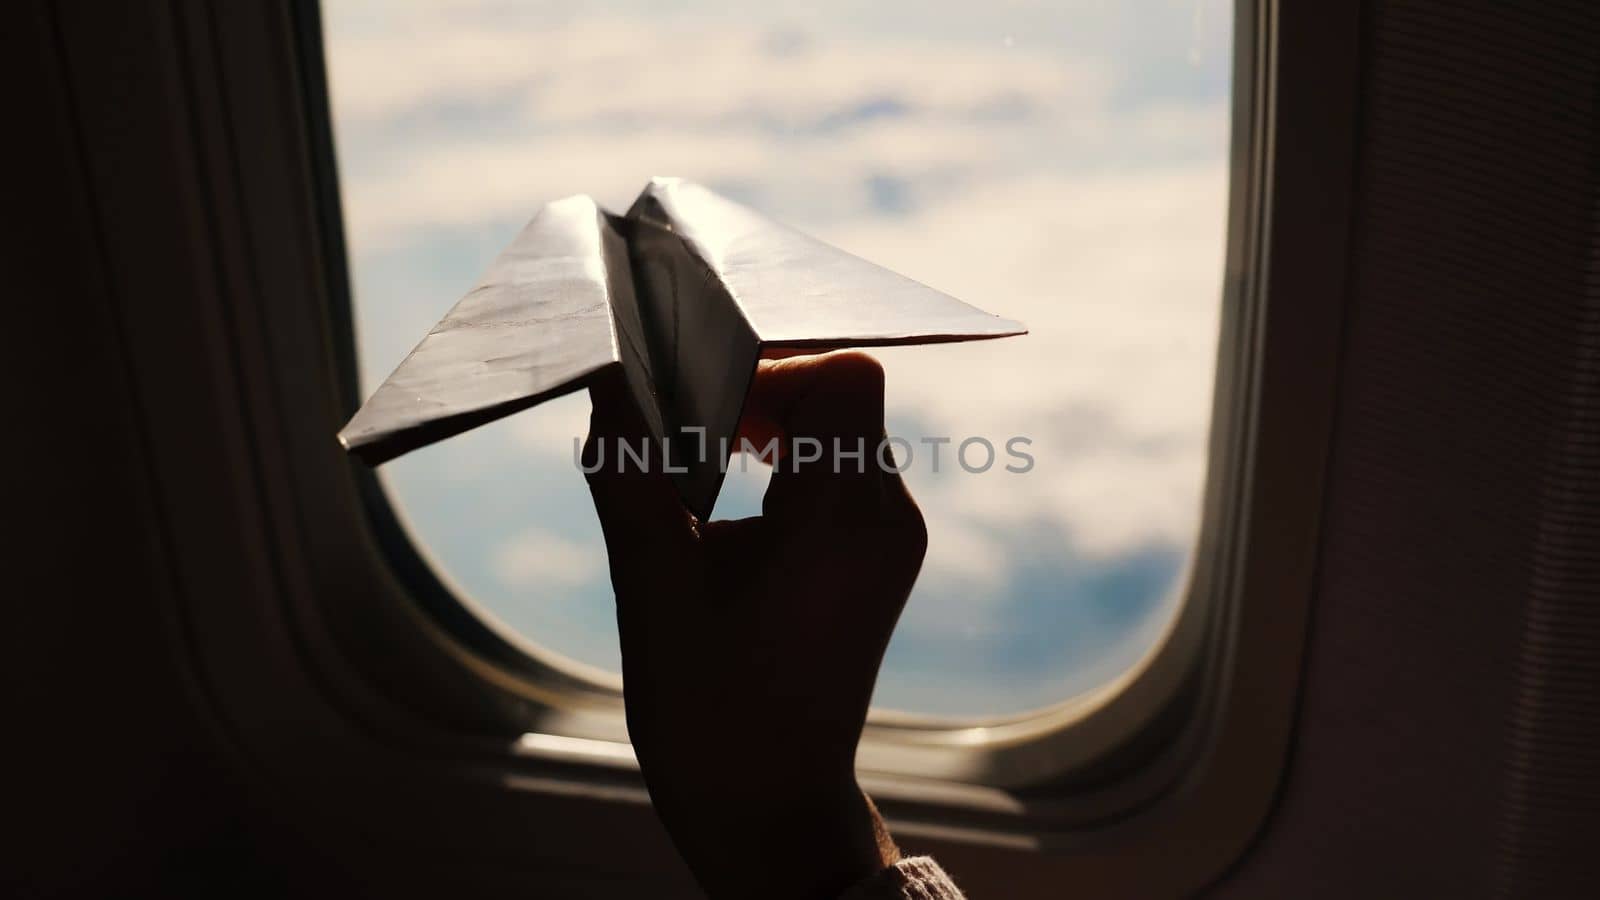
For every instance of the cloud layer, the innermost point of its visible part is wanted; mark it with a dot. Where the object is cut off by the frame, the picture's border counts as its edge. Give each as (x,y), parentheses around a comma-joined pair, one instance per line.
(1063,182)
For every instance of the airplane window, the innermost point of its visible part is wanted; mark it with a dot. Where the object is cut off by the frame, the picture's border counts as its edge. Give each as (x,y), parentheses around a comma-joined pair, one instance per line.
(1060,163)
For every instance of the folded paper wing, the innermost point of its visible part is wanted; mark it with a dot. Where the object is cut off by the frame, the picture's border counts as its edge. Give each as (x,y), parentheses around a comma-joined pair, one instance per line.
(684,293)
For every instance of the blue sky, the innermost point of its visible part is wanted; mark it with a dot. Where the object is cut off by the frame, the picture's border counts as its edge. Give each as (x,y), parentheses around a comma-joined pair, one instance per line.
(1059,163)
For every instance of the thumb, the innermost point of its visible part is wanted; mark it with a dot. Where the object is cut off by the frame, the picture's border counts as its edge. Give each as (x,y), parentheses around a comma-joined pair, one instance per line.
(828,412)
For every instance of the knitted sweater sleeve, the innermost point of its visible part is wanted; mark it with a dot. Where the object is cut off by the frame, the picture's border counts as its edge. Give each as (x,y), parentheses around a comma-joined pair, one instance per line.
(912,878)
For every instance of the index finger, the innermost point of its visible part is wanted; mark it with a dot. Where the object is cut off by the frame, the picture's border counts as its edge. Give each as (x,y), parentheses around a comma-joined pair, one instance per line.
(638,507)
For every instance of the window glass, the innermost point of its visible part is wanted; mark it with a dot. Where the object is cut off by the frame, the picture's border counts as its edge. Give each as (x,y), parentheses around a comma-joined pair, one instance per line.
(1061,163)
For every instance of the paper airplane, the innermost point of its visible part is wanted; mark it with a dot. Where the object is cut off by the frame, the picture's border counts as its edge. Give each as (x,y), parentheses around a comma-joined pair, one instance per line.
(684,293)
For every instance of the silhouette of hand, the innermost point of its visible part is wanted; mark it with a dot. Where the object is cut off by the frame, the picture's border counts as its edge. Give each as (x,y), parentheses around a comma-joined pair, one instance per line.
(750,647)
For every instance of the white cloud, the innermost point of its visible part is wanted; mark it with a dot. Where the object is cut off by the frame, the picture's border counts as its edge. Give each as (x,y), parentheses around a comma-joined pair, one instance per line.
(1026,185)
(536,558)
(547,431)
(594,70)
(1118,278)
(962,553)
(600,105)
